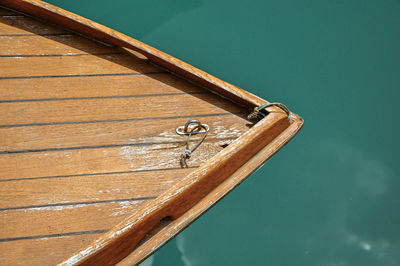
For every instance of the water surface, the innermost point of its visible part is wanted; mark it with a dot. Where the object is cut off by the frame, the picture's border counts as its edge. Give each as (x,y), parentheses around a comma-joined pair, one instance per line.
(330,197)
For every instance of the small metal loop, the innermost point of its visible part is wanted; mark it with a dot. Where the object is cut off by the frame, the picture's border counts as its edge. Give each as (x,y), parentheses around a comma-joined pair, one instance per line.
(184,130)
(257,110)
(199,143)
(189,131)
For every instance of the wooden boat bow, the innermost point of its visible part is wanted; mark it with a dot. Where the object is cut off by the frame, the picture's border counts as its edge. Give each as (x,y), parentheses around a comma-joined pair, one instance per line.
(152,224)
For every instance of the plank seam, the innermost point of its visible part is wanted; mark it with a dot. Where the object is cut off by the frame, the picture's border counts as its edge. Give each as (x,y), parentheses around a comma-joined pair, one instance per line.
(54,235)
(94,174)
(76,203)
(103,97)
(83,75)
(57,55)
(117,120)
(105,146)
(33,34)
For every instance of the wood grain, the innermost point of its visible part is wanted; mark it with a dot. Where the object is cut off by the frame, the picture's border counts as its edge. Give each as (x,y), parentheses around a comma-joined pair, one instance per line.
(67,45)
(21,67)
(21,113)
(82,189)
(116,244)
(99,86)
(26,26)
(94,30)
(29,138)
(101,160)
(44,251)
(47,221)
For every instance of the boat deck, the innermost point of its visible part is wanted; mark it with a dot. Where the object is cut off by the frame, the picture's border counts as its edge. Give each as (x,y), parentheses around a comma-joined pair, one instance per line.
(87,137)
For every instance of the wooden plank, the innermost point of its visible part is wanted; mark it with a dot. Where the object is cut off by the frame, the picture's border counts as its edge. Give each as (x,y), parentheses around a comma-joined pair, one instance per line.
(100,86)
(26,67)
(44,251)
(114,133)
(66,45)
(90,28)
(26,26)
(20,113)
(83,189)
(101,160)
(64,219)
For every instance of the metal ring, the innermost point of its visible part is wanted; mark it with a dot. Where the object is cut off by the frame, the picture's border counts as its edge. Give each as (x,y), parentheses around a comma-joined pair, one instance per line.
(192,128)
(257,110)
(279,105)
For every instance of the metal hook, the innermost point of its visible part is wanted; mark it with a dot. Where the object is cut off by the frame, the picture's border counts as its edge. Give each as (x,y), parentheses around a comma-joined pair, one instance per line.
(189,131)
(184,130)
(257,110)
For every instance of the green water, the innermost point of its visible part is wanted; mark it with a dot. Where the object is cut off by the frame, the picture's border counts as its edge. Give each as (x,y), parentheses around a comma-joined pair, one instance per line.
(330,197)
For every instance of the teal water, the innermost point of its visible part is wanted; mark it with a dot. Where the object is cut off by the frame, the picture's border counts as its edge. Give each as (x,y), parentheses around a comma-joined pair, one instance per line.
(331,196)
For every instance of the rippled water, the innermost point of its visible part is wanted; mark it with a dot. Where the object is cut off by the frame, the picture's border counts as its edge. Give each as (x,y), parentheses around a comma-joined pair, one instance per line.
(330,197)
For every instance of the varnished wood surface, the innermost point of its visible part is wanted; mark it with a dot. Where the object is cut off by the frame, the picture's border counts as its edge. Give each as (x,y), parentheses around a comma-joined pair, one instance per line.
(19,25)
(106,109)
(90,28)
(53,137)
(92,65)
(95,86)
(32,45)
(87,137)
(46,250)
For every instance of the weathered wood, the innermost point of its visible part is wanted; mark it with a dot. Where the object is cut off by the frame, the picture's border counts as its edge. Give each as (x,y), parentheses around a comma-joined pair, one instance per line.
(26,26)
(97,86)
(63,111)
(179,224)
(83,189)
(116,244)
(62,45)
(225,126)
(43,251)
(89,28)
(64,219)
(87,139)
(100,160)
(28,67)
